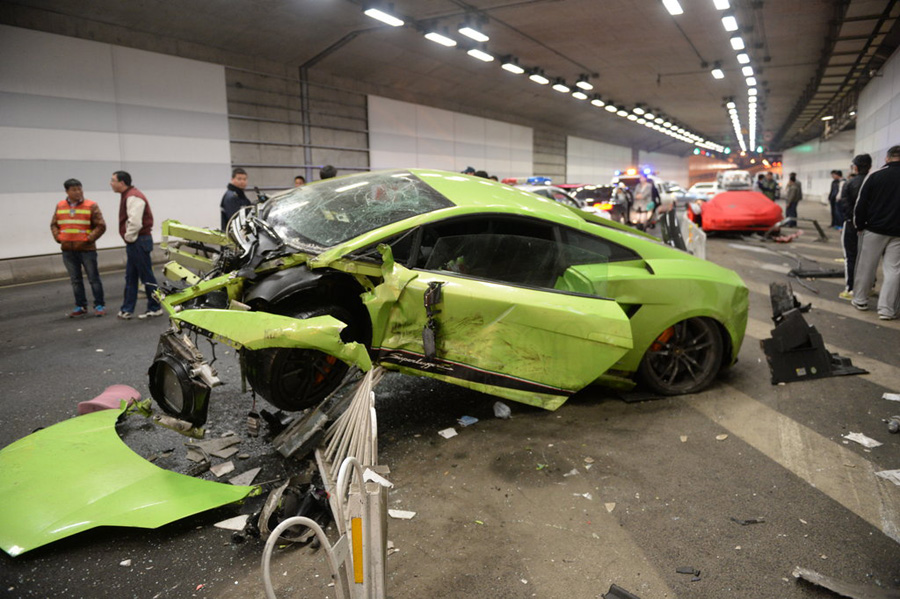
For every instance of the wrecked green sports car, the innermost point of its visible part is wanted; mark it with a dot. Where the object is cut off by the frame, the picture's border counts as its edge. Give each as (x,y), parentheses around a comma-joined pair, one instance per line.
(442,275)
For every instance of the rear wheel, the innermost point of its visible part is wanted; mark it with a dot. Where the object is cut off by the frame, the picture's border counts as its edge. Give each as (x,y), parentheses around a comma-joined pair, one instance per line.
(294,379)
(684,358)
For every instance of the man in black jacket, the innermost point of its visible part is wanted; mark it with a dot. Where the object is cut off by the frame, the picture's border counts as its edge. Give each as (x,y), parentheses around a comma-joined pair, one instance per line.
(234,199)
(859,168)
(877,218)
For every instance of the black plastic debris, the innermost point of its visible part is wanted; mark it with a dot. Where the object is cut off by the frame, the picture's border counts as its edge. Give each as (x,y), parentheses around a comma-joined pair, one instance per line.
(796,351)
(749,521)
(844,589)
(617,592)
(817,273)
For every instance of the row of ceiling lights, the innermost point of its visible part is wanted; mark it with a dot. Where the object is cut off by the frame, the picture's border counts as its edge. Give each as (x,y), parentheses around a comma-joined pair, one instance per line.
(639,114)
(729,22)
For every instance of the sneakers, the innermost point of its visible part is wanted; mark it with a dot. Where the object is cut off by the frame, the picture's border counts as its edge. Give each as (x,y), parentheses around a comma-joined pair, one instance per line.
(860,307)
(124,315)
(99,311)
(886,317)
(78,312)
(846,295)
(151,314)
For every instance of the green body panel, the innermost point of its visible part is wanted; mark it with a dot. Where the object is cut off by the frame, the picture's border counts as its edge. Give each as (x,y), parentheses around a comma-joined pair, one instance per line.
(513,335)
(679,290)
(175,228)
(78,475)
(259,330)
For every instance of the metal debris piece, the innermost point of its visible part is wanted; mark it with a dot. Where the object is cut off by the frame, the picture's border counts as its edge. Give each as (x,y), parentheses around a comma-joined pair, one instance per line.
(220,448)
(759,520)
(401,514)
(845,589)
(891,396)
(688,570)
(245,478)
(862,440)
(617,592)
(222,469)
(236,523)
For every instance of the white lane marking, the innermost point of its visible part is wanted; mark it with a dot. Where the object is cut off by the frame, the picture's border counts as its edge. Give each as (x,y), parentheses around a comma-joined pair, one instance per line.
(831,468)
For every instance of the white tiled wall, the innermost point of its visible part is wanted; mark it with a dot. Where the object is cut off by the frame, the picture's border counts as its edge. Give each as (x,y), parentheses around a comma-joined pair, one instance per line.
(878,112)
(667,167)
(814,161)
(589,161)
(404,135)
(74,108)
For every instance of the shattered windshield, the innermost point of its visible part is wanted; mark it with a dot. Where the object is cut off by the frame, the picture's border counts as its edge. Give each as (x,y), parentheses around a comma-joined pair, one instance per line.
(332,212)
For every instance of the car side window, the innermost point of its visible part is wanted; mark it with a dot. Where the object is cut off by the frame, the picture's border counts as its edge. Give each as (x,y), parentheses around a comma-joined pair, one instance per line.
(583,248)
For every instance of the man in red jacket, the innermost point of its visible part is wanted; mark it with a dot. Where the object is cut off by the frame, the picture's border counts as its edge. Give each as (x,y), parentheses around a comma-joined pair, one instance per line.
(76,225)
(135,225)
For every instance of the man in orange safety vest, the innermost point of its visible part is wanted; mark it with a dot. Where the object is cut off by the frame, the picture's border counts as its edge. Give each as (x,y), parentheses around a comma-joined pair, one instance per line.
(77,224)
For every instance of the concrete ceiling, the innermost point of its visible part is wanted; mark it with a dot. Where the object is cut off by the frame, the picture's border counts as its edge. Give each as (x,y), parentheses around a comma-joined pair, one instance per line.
(810,56)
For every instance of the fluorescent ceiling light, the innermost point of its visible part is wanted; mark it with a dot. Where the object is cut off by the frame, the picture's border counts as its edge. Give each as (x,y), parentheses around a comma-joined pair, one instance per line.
(752,91)
(743,58)
(584,84)
(673,7)
(721,4)
(638,110)
(512,68)
(718,73)
(729,23)
(737,42)
(580,96)
(827,118)
(649,116)
(561,87)
(632,117)
(473,33)
(747,71)
(642,121)
(440,39)
(751,81)
(598,102)
(539,78)
(483,56)
(659,120)
(383,17)
(622,113)
(611,108)
(730,104)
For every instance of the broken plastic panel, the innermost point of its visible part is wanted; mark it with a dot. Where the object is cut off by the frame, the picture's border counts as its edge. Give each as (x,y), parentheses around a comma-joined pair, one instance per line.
(78,475)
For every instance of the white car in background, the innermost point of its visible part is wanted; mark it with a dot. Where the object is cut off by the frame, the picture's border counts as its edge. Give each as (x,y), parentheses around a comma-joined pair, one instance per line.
(704,191)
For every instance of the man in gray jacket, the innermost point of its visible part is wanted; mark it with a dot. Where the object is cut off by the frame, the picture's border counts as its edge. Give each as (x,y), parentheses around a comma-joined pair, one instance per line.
(877,218)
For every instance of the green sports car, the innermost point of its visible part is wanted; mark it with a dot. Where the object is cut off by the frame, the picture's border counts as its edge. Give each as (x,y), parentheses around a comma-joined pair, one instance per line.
(438,274)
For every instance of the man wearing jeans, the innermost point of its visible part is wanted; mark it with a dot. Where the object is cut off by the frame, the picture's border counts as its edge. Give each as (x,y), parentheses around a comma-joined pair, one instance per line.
(135,224)
(877,218)
(76,225)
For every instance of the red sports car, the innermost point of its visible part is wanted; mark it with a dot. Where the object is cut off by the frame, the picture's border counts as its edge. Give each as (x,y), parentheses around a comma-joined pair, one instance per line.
(741,210)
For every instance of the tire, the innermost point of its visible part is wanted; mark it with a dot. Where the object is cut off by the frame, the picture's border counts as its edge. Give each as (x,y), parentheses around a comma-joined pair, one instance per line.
(684,358)
(294,379)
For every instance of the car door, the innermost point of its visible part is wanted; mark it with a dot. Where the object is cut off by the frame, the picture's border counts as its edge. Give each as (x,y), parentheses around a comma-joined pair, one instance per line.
(496,307)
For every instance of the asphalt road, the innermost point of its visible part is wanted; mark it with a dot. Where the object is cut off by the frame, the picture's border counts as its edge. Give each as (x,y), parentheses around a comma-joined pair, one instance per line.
(546,504)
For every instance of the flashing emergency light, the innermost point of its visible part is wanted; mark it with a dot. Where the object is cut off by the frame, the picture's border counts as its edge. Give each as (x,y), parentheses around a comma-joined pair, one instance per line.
(648,171)
(696,151)
(539,180)
(617,173)
(631,171)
